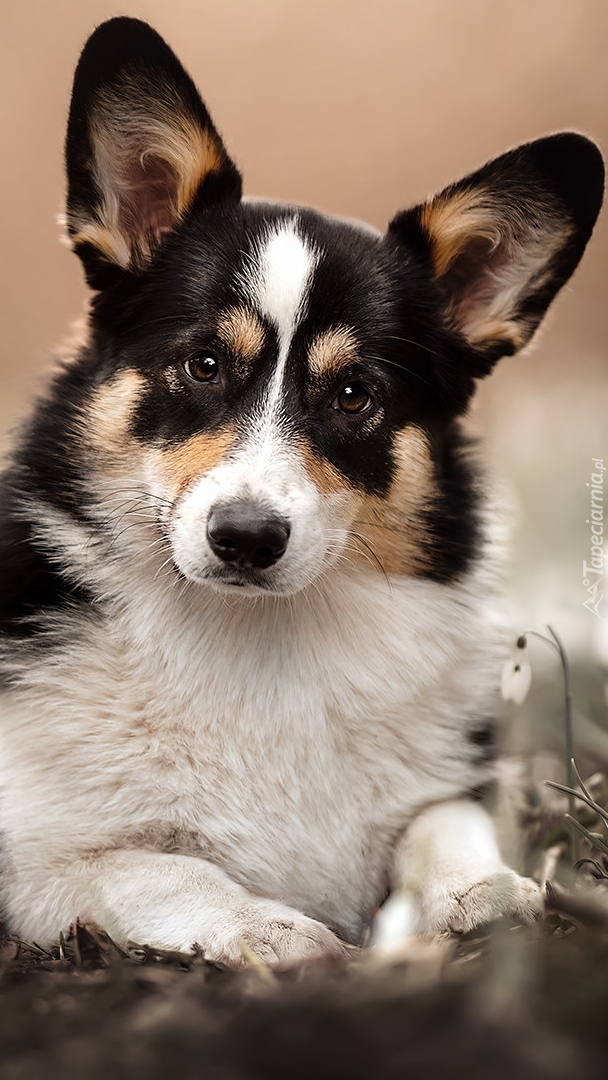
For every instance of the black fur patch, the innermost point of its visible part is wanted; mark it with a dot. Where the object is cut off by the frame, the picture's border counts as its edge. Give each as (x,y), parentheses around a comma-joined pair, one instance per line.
(33,586)
(485,793)
(484,740)
(483,743)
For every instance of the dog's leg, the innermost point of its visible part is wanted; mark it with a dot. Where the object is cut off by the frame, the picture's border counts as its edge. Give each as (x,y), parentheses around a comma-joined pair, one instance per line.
(174,901)
(448,874)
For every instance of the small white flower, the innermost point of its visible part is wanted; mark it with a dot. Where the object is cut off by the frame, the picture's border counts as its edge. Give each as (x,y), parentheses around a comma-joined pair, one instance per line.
(517,674)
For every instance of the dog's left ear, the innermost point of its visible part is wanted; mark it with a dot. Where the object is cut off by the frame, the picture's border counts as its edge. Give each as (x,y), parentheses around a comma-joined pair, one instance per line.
(503,241)
(141,150)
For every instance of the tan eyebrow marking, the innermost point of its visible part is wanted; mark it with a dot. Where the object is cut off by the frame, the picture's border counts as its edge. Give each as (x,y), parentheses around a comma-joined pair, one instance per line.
(242,332)
(332,350)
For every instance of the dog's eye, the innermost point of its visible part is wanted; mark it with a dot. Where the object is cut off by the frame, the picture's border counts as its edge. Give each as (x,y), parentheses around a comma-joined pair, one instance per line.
(353,398)
(202,368)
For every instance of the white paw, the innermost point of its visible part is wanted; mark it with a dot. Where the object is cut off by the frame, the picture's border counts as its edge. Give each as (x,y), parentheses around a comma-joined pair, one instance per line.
(457,907)
(464,905)
(273,933)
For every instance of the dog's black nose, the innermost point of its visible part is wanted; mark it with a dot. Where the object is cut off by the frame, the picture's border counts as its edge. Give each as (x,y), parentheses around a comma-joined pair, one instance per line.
(247,535)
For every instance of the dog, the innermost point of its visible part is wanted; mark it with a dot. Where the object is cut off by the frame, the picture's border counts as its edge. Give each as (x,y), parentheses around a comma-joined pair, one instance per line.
(251,631)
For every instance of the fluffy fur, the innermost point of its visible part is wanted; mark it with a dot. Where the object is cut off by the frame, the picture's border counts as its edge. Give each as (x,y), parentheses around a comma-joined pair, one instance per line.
(250,638)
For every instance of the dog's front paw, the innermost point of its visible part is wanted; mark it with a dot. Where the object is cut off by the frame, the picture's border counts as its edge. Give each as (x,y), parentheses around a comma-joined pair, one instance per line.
(274,933)
(461,906)
(455,906)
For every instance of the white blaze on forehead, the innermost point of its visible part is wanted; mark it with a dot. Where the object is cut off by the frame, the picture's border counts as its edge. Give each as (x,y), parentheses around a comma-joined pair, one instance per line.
(277,280)
(284,264)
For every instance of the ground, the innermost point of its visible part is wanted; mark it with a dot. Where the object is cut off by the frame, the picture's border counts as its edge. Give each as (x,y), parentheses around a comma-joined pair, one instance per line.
(508,1000)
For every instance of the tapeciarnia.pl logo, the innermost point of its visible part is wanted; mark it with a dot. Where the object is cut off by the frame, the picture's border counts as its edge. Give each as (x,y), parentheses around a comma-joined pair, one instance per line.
(593,571)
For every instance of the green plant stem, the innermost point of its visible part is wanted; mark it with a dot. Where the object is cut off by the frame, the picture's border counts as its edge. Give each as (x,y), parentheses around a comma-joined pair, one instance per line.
(569,737)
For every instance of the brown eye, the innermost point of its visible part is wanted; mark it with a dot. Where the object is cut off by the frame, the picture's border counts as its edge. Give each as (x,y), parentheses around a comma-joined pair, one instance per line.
(202,368)
(353,398)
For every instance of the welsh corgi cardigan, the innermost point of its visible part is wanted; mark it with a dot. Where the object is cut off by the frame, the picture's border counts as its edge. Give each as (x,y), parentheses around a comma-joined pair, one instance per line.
(250,634)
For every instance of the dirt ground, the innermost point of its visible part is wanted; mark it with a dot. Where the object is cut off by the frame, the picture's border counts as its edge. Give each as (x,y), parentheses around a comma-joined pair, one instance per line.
(511,1001)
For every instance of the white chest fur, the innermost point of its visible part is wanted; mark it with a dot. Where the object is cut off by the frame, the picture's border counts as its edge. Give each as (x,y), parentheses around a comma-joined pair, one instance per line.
(286,740)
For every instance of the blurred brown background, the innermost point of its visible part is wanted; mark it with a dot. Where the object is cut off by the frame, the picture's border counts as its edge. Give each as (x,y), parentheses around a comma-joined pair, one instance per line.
(360,108)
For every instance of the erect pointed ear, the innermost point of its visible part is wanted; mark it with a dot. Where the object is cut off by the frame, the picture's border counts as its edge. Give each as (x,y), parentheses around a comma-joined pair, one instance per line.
(141,150)
(501,242)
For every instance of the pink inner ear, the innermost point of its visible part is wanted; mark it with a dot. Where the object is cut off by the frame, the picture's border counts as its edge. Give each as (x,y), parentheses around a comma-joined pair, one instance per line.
(148,208)
(474,280)
(473,284)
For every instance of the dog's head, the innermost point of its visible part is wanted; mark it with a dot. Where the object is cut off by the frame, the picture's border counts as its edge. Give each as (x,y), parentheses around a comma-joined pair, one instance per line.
(282,384)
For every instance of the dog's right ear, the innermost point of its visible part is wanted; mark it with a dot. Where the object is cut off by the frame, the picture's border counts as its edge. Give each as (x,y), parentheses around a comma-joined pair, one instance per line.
(141,150)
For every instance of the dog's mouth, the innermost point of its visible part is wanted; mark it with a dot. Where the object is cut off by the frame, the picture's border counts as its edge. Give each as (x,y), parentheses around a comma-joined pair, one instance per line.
(233,578)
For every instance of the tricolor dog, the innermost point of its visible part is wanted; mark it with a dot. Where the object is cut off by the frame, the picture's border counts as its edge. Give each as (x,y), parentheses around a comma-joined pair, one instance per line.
(250,639)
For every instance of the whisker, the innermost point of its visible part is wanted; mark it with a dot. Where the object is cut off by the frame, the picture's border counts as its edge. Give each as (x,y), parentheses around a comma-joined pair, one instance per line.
(137,491)
(162,566)
(409,371)
(186,318)
(400,531)
(411,341)
(365,543)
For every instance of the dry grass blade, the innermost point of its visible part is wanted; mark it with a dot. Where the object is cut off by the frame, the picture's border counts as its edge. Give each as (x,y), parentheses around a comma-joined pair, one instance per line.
(599,870)
(256,962)
(584,907)
(594,839)
(581,782)
(34,947)
(599,810)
